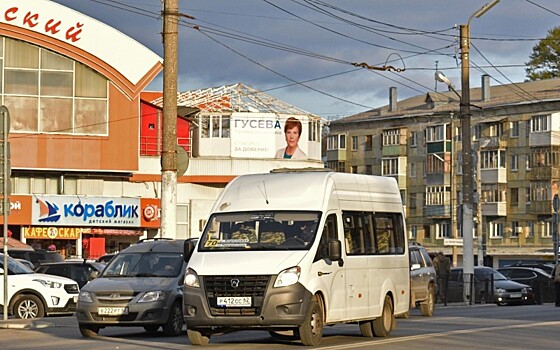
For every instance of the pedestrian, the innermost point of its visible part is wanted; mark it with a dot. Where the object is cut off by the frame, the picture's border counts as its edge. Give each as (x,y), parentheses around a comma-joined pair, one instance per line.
(556,276)
(442,265)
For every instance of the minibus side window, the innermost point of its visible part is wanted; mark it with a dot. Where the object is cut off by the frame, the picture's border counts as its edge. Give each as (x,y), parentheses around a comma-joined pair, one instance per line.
(389,233)
(330,232)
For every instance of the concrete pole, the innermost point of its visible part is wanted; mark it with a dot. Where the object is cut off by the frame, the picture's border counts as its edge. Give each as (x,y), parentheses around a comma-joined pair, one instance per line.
(468,225)
(169,144)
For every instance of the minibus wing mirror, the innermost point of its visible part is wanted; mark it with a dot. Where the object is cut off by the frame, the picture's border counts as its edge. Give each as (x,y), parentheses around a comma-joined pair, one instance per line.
(335,250)
(188,249)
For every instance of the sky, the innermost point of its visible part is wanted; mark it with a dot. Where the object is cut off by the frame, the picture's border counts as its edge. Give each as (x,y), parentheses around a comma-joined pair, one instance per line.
(312,53)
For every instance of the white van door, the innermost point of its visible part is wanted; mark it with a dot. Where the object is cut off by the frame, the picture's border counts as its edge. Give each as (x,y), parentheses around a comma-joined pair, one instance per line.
(331,277)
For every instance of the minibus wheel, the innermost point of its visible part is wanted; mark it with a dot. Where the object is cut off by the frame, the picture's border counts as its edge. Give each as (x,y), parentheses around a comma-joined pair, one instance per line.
(383,324)
(311,331)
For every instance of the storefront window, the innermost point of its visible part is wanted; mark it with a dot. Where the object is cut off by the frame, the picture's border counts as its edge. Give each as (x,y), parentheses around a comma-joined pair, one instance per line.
(50,93)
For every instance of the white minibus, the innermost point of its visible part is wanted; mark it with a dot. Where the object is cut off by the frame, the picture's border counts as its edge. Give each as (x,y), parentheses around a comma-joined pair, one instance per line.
(292,251)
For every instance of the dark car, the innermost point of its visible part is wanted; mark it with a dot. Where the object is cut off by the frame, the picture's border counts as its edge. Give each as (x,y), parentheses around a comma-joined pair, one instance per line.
(106,258)
(36,256)
(541,281)
(79,271)
(489,286)
(140,287)
(546,267)
(422,279)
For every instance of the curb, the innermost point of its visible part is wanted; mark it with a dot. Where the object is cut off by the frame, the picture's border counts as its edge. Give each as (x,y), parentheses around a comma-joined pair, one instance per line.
(25,324)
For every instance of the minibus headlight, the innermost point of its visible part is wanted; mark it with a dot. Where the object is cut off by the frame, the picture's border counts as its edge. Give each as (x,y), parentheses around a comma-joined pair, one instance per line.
(288,277)
(191,279)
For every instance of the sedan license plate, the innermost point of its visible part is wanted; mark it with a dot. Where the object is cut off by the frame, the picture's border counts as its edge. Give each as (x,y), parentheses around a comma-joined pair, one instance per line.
(234,301)
(112,311)
(515,295)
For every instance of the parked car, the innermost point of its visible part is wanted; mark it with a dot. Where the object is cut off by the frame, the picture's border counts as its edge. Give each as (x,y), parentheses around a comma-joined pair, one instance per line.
(79,271)
(489,286)
(26,263)
(422,280)
(106,258)
(35,295)
(36,256)
(546,267)
(141,286)
(541,281)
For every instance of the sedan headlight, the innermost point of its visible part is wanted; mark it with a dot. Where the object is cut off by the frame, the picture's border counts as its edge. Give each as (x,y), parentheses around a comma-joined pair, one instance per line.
(152,296)
(500,290)
(191,279)
(288,277)
(48,283)
(85,297)
(527,290)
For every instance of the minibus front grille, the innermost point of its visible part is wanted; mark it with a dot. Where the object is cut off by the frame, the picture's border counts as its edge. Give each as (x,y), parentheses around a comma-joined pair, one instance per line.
(236,286)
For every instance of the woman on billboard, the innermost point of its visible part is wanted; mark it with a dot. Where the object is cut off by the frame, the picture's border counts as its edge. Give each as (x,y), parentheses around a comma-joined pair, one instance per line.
(292,131)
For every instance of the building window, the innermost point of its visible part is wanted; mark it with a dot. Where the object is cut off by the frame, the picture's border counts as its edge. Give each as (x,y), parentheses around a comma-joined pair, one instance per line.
(515,228)
(342,141)
(391,137)
(412,201)
(390,166)
(493,159)
(369,169)
(414,139)
(435,163)
(214,126)
(496,229)
(514,197)
(493,193)
(443,230)
(437,195)
(369,143)
(514,129)
(438,133)
(354,143)
(540,191)
(540,123)
(354,169)
(495,129)
(546,228)
(412,169)
(413,233)
(543,157)
(337,166)
(52,93)
(514,160)
(531,227)
(314,129)
(332,142)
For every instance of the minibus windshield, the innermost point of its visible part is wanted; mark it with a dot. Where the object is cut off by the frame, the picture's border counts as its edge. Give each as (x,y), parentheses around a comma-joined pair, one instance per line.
(270,230)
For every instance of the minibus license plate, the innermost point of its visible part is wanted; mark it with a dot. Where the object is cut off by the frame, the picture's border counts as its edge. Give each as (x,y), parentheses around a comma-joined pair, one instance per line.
(234,301)
(112,311)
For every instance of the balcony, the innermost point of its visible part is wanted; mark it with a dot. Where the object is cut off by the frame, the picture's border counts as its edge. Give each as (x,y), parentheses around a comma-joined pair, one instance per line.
(544,138)
(494,209)
(393,150)
(437,211)
(541,207)
(543,173)
(493,176)
(492,142)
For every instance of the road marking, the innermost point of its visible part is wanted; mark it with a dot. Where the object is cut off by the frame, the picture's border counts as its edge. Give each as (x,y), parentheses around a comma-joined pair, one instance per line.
(384,341)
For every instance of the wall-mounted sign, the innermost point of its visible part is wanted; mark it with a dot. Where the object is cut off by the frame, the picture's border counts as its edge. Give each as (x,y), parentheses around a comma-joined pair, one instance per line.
(52,232)
(85,211)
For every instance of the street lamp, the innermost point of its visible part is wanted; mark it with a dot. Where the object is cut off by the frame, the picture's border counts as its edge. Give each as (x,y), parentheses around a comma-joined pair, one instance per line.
(468,171)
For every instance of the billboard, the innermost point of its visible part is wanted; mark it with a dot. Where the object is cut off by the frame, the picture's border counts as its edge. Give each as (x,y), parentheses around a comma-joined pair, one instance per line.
(268,135)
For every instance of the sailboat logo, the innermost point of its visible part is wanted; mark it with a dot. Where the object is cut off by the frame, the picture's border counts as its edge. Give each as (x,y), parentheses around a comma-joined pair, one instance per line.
(48,212)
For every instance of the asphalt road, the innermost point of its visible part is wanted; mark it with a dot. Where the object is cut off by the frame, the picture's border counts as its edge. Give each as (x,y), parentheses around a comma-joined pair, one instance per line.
(454,326)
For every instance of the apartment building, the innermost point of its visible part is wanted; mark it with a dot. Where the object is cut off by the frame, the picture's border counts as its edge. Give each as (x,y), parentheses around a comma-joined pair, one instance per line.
(515,132)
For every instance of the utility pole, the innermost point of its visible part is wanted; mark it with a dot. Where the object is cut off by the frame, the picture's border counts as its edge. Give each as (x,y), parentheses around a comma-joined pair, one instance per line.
(468,171)
(169,143)
(467,219)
